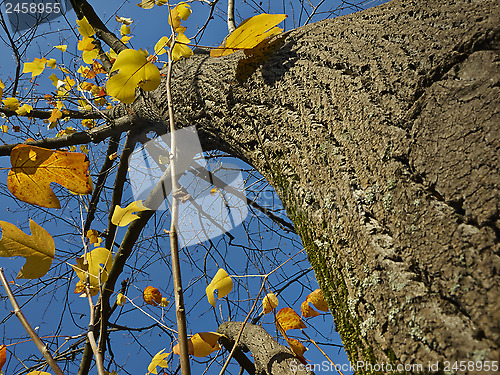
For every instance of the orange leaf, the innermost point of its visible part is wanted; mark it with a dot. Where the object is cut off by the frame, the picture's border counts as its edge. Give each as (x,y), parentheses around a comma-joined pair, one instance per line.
(287,319)
(298,348)
(3,356)
(317,299)
(34,168)
(152,296)
(269,303)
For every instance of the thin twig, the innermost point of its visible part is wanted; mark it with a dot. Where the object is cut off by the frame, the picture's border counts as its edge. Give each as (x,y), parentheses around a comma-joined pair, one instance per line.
(243,326)
(39,344)
(231,26)
(180,311)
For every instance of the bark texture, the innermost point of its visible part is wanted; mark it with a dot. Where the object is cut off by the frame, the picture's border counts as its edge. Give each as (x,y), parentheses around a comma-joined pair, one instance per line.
(270,358)
(380,132)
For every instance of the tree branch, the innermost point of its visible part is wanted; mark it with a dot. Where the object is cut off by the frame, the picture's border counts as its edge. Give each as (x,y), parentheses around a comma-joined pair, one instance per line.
(17,311)
(270,357)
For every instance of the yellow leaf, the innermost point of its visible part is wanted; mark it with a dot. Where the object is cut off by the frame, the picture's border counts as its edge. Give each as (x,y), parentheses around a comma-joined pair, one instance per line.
(30,177)
(124,216)
(205,343)
(96,269)
(222,282)
(88,123)
(125,21)
(287,319)
(160,2)
(38,249)
(124,30)
(62,47)
(86,44)
(52,63)
(134,71)
(250,33)
(89,56)
(120,299)
(4,128)
(181,11)
(55,115)
(56,81)
(180,48)
(152,296)
(93,236)
(126,38)
(269,303)
(317,299)
(113,156)
(2,86)
(176,348)
(160,359)
(160,45)
(164,302)
(35,68)
(64,70)
(11,103)
(84,27)
(298,348)
(184,11)
(39,373)
(146,4)
(24,110)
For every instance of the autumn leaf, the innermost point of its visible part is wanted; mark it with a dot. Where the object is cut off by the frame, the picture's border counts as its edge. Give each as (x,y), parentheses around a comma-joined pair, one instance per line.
(205,343)
(34,168)
(316,298)
(11,103)
(3,356)
(39,373)
(222,282)
(89,56)
(160,359)
(24,110)
(287,319)
(124,20)
(35,68)
(86,44)
(120,299)
(124,216)
(269,303)
(2,86)
(55,115)
(124,30)
(84,27)
(250,33)
(96,269)
(181,12)
(93,237)
(298,349)
(176,349)
(38,249)
(134,71)
(62,47)
(152,296)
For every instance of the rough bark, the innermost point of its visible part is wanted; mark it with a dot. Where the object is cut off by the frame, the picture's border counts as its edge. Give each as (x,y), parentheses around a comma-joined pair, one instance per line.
(379,131)
(270,358)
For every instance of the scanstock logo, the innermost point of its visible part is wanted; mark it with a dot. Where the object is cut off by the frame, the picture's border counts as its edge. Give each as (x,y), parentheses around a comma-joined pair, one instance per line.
(212,192)
(26,14)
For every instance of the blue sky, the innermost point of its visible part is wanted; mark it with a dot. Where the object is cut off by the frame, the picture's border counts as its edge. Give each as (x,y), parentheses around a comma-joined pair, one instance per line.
(50,304)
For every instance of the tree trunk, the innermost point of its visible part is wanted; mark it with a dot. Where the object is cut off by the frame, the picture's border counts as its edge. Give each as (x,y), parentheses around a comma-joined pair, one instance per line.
(380,133)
